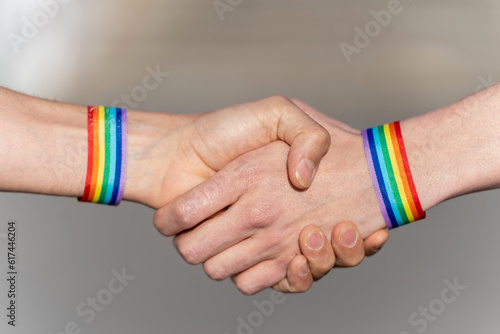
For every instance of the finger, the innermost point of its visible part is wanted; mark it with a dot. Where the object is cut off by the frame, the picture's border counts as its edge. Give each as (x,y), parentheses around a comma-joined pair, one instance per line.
(308,141)
(213,237)
(236,259)
(298,277)
(348,245)
(201,202)
(321,117)
(375,241)
(317,249)
(237,223)
(259,277)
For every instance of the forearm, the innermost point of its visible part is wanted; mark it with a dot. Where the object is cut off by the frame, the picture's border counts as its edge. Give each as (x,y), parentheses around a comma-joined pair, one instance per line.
(36,136)
(44,146)
(455,150)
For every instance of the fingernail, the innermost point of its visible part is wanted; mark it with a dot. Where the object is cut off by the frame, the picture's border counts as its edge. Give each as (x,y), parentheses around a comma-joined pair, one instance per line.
(305,172)
(348,237)
(304,269)
(314,241)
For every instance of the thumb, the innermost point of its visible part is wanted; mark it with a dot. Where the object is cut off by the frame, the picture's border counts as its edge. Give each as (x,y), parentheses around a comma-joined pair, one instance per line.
(308,142)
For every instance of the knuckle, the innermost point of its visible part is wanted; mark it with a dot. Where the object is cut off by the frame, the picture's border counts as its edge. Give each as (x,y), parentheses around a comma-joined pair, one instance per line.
(245,287)
(321,136)
(159,224)
(278,104)
(217,188)
(182,214)
(212,190)
(261,215)
(214,271)
(190,252)
(278,100)
(186,210)
(179,214)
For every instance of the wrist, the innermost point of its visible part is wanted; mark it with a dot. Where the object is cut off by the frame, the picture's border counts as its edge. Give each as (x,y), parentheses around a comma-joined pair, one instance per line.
(153,139)
(432,170)
(455,150)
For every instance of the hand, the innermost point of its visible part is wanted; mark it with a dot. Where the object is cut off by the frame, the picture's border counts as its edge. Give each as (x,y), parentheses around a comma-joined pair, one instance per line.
(318,256)
(172,156)
(317,260)
(255,238)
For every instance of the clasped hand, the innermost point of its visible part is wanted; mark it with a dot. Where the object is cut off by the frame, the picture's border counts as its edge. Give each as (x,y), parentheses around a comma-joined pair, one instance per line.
(227,197)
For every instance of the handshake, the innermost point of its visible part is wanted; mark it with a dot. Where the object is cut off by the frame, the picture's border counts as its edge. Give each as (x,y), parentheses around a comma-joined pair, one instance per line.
(271,193)
(219,183)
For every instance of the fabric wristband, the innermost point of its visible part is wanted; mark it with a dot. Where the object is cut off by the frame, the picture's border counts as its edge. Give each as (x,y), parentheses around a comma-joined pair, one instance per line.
(391,175)
(107,155)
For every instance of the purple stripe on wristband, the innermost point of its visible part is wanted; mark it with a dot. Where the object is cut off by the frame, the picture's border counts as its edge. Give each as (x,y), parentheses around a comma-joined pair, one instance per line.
(124,156)
(374,179)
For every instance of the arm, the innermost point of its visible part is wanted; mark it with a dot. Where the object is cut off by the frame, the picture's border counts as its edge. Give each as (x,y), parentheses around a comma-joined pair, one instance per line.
(44,146)
(452,151)
(455,150)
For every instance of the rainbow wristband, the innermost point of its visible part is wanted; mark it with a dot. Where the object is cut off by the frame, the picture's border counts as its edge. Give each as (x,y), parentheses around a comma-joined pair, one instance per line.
(107,155)
(391,175)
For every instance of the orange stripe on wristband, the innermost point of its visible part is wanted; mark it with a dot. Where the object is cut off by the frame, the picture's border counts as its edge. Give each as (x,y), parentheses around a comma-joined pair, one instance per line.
(107,155)
(391,175)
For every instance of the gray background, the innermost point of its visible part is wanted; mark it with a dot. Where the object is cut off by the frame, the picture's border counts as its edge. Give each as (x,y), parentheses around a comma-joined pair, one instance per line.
(431,54)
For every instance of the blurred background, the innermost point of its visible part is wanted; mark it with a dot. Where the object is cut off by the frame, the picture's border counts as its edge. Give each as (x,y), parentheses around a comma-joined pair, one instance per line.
(347,58)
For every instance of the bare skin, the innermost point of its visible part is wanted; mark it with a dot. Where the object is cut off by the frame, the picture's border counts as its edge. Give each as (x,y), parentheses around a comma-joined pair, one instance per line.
(44,148)
(452,151)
